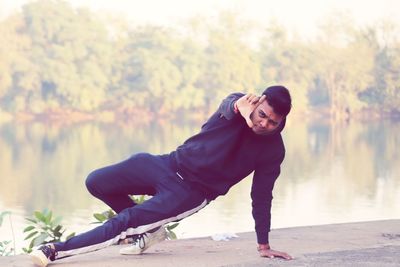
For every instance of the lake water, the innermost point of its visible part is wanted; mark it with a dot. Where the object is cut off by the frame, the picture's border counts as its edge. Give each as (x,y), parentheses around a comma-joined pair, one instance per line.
(332,173)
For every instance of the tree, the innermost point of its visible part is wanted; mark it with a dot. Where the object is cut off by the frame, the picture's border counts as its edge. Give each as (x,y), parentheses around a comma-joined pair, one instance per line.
(345,63)
(149,76)
(386,68)
(18,76)
(71,49)
(231,65)
(287,62)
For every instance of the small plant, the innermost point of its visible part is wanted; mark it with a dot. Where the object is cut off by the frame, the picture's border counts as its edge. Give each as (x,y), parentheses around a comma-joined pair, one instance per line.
(104,216)
(44,229)
(108,214)
(5,249)
(169,227)
(139,199)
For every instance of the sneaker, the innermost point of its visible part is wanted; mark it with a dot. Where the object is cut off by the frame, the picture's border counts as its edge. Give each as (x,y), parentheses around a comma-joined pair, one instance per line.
(142,242)
(43,255)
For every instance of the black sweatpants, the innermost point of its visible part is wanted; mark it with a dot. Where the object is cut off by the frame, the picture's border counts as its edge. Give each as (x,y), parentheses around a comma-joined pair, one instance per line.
(173,199)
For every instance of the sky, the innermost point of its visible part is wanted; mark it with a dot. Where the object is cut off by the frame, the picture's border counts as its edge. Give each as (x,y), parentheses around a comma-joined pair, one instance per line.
(301,16)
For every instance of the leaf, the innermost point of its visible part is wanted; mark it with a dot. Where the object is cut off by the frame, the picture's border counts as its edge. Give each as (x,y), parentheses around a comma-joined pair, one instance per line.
(31,244)
(57,220)
(29,228)
(31,220)
(100,217)
(29,249)
(172,226)
(40,239)
(57,234)
(4,213)
(48,217)
(141,199)
(70,235)
(172,235)
(109,214)
(30,235)
(45,212)
(40,216)
(57,229)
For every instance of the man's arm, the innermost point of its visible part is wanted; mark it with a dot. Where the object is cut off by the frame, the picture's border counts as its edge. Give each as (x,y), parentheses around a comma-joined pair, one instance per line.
(238,103)
(228,106)
(261,194)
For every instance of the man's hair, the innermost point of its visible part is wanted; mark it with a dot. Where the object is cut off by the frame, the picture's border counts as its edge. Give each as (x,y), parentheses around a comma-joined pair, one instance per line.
(278,97)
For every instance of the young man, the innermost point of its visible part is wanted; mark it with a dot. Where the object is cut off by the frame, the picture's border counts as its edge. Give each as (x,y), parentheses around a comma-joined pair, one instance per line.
(242,136)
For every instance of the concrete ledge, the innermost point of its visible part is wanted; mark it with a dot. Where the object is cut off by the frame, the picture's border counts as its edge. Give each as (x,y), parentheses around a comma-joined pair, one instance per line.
(374,243)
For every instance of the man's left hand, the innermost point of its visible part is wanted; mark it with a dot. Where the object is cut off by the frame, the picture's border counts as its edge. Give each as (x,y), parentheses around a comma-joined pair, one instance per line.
(247,104)
(269,253)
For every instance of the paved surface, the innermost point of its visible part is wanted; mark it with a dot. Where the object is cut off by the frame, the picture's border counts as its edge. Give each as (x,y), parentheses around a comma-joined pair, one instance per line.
(353,244)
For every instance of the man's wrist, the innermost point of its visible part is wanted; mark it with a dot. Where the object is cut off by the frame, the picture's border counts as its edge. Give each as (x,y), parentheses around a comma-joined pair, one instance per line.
(263,247)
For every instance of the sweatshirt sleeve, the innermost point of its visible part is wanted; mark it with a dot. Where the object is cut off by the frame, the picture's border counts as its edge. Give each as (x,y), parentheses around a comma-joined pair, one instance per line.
(226,108)
(261,193)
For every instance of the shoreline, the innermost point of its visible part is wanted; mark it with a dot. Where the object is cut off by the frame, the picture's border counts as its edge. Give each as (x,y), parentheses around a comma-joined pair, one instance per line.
(371,243)
(138,116)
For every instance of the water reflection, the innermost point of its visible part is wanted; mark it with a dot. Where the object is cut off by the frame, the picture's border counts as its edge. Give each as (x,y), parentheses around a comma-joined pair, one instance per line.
(332,173)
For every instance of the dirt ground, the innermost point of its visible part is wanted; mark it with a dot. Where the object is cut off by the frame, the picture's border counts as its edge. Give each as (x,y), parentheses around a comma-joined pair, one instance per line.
(374,243)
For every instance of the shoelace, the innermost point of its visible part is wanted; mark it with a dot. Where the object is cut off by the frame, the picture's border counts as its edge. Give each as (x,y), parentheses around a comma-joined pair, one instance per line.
(49,252)
(140,239)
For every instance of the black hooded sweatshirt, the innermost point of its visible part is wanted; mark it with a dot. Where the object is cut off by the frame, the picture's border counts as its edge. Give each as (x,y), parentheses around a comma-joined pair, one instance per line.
(224,152)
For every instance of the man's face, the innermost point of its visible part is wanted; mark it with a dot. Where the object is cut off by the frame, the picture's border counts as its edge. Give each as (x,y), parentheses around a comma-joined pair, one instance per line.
(264,119)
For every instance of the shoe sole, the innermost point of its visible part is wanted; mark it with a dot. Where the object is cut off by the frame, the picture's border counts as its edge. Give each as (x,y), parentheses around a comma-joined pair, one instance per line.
(39,258)
(129,251)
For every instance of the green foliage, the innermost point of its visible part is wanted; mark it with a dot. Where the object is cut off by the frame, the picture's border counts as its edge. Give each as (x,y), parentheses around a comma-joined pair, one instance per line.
(104,216)
(108,214)
(2,215)
(290,63)
(139,199)
(169,228)
(5,249)
(44,229)
(58,59)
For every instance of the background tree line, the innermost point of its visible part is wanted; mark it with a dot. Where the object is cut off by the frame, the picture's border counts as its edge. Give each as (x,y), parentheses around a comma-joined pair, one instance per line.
(56,59)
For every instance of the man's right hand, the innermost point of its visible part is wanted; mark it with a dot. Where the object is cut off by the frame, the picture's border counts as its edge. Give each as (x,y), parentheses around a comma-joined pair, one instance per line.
(247,104)
(269,253)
